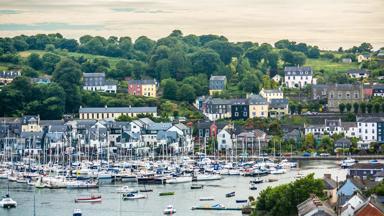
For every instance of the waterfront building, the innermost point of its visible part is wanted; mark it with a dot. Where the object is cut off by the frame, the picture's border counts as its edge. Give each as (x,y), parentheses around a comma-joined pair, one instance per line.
(298,77)
(146,88)
(30,123)
(365,170)
(100,113)
(378,91)
(217,84)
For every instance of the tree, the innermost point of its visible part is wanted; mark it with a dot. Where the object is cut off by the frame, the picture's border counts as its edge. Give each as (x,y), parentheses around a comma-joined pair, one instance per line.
(314,52)
(342,107)
(363,107)
(356,108)
(49,62)
(292,107)
(299,108)
(349,107)
(68,75)
(250,83)
(186,93)
(309,141)
(369,107)
(292,58)
(225,49)
(365,47)
(376,107)
(206,61)
(170,89)
(34,61)
(144,44)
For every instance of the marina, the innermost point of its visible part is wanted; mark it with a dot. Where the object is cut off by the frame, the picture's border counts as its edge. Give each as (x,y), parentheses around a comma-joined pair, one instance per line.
(148,202)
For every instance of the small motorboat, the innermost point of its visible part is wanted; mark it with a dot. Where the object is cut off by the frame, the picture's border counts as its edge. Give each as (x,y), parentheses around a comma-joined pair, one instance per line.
(252,186)
(77,212)
(348,162)
(241,201)
(92,199)
(232,194)
(133,196)
(126,189)
(8,202)
(166,193)
(278,171)
(169,210)
(197,186)
(256,181)
(206,198)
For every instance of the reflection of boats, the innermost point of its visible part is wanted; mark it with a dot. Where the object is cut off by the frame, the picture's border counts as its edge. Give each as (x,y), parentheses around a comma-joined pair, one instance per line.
(252,186)
(180,179)
(272,180)
(133,196)
(77,212)
(232,194)
(241,201)
(169,210)
(145,190)
(166,193)
(256,181)
(125,189)
(197,186)
(8,202)
(93,198)
(206,198)
(82,184)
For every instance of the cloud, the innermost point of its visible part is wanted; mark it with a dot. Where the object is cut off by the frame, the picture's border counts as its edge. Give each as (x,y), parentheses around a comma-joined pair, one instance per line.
(10,11)
(133,10)
(47,26)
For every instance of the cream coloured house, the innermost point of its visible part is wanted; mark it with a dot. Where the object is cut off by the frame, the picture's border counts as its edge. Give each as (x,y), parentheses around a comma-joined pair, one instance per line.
(258,107)
(270,94)
(100,113)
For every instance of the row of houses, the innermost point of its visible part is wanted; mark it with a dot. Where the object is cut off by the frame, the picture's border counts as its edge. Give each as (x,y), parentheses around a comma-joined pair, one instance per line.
(366,129)
(269,103)
(140,136)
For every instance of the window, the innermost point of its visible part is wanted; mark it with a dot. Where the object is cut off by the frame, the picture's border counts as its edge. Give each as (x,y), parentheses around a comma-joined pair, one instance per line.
(236,114)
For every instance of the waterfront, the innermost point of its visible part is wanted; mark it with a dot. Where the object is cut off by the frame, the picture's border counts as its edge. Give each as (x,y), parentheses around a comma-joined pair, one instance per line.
(60,202)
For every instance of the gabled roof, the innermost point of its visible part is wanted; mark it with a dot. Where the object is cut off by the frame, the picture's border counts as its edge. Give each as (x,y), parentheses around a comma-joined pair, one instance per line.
(93,75)
(159,126)
(141,82)
(367,166)
(314,203)
(222,78)
(371,207)
(257,100)
(298,71)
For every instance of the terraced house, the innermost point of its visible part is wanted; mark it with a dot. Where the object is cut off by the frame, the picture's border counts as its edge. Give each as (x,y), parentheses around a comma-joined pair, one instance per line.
(100,113)
(146,88)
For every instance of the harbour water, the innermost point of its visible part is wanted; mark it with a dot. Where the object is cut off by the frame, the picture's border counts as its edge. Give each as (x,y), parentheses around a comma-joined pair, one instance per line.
(60,202)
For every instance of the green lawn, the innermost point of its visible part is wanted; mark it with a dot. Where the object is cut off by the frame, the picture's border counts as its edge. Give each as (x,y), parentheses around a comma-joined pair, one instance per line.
(112,60)
(318,64)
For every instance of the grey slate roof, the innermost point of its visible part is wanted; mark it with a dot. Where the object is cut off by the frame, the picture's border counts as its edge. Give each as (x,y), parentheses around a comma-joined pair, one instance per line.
(118,110)
(257,100)
(159,126)
(10,74)
(142,82)
(85,75)
(218,78)
(278,103)
(298,71)
(357,71)
(370,119)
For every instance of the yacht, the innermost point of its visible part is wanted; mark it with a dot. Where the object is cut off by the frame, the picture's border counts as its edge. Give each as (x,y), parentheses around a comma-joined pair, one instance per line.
(77,212)
(8,202)
(133,196)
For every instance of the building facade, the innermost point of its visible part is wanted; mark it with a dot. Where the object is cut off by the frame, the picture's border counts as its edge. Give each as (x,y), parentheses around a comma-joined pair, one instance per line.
(217,84)
(258,107)
(270,94)
(146,88)
(239,109)
(217,108)
(298,77)
(7,77)
(100,113)
(97,82)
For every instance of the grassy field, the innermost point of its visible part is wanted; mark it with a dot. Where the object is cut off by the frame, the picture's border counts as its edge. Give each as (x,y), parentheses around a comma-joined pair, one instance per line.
(112,60)
(318,64)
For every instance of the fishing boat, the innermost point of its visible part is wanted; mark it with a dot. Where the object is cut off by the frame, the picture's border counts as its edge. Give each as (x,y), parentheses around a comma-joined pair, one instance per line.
(133,196)
(77,212)
(241,201)
(197,186)
(126,189)
(169,210)
(206,198)
(91,199)
(252,186)
(166,193)
(232,194)
(180,179)
(256,181)
(8,202)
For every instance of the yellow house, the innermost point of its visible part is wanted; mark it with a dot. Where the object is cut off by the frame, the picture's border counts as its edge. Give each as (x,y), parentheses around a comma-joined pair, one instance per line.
(270,94)
(146,88)
(30,123)
(149,90)
(100,113)
(258,107)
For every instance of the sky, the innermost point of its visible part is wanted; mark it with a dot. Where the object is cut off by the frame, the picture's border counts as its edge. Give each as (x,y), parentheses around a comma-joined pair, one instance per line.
(326,23)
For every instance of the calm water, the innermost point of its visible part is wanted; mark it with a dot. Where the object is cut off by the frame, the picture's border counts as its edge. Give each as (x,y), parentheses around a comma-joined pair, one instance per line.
(61,202)
(327,23)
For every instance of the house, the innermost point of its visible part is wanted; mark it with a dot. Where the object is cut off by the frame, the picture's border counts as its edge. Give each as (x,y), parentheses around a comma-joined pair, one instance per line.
(217,84)
(115,112)
(225,139)
(296,135)
(371,207)
(277,78)
(365,170)
(41,80)
(363,57)
(349,208)
(206,128)
(97,82)
(378,91)
(30,123)
(313,206)
(146,88)
(239,109)
(358,73)
(367,127)
(367,90)
(342,143)
(298,77)
(330,188)
(348,189)
(258,106)
(278,108)
(336,94)
(217,108)
(270,94)
(252,140)
(7,77)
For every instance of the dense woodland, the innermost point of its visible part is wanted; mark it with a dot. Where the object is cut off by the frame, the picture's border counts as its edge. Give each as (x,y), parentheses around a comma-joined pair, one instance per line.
(182,64)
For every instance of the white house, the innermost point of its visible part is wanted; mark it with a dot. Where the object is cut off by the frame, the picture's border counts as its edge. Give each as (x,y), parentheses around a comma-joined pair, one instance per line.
(298,77)
(349,208)
(224,140)
(367,127)
(97,82)
(270,94)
